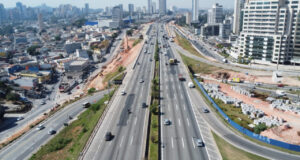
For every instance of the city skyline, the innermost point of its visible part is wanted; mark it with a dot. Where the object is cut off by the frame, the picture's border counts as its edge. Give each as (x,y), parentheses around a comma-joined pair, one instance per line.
(204,4)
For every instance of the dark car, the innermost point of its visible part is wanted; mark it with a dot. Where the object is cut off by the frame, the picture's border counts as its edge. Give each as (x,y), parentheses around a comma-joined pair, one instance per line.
(108,136)
(144,105)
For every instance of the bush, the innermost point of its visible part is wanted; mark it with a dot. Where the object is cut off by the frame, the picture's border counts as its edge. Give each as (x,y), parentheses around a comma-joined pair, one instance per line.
(60,144)
(91,90)
(259,128)
(12,96)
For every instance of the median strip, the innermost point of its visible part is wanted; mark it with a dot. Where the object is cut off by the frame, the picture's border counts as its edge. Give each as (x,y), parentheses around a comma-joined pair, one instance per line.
(153,139)
(69,142)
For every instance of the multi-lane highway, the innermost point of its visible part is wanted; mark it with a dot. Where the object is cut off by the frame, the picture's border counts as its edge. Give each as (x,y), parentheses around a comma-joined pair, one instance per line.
(29,143)
(179,139)
(219,127)
(126,119)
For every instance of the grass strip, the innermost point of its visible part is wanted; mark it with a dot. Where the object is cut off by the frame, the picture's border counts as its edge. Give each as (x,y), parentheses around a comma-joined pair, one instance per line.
(69,142)
(230,152)
(185,44)
(154,108)
(111,75)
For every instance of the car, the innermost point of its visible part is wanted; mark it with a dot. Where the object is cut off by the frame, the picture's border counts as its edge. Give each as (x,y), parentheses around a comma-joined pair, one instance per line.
(108,136)
(66,124)
(43,102)
(40,127)
(167,122)
(144,105)
(123,93)
(20,118)
(51,132)
(150,60)
(199,143)
(205,110)
(141,80)
(166,63)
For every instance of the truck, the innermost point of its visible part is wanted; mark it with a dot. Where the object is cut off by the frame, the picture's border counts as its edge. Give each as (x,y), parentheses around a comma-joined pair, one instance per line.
(180,77)
(172,61)
(280,93)
(171,40)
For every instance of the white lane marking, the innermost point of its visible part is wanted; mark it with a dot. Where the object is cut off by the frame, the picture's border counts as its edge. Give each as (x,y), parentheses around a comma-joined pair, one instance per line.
(169,108)
(182,142)
(181,96)
(179,122)
(188,122)
(172,142)
(193,143)
(131,141)
(176,107)
(135,121)
(121,141)
(184,107)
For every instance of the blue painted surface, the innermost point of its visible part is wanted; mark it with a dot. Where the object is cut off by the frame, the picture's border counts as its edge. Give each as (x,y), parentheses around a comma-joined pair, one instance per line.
(246,131)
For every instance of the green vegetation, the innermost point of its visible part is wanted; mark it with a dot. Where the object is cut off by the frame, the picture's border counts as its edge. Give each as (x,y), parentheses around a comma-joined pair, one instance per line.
(32,50)
(68,143)
(57,38)
(91,90)
(185,44)
(79,23)
(137,41)
(12,96)
(230,152)
(6,30)
(224,54)
(111,75)
(259,128)
(197,66)
(235,114)
(129,32)
(154,108)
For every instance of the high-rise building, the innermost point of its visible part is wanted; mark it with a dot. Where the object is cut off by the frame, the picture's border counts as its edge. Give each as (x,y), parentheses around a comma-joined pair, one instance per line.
(195,9)
(162,7)
(40,22)
(117,17)
(153,7)
(130,9)
(121,7)
(188,18)
(86,9)
(238,16)
(2,14)
(215,14)
(149,7)
(271,31)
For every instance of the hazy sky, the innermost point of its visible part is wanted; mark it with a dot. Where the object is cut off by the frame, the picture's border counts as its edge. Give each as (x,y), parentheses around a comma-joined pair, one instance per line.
(104,3)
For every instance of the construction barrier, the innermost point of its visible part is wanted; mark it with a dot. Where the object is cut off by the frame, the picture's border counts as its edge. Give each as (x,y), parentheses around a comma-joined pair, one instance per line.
(246,131)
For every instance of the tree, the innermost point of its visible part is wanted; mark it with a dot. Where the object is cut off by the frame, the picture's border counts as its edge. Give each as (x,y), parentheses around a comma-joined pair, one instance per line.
(129,32)
(12,96)
(32,50)
(1,112)
(259,128)
(57,38)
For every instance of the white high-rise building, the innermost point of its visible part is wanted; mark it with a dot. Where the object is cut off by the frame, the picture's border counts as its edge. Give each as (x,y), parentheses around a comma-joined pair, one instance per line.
(149,7)
(271,31)
(130,9)
(117,17)
(188,18)
(162,7)
(238,19)
(195,8)
(215,14)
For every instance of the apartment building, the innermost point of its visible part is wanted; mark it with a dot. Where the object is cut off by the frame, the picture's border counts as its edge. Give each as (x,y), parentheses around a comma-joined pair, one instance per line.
(271,31)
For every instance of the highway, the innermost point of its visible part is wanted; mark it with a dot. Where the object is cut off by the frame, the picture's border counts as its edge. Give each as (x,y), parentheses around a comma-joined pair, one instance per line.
(30,142)
(128,129)
(180,137)
(217,125)
(11,125)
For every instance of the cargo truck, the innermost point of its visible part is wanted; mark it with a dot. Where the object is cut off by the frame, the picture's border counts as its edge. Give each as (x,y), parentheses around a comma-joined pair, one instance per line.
(172,61)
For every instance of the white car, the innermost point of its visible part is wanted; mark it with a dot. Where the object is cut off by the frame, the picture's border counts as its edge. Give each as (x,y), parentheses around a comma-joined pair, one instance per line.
(199,143)
(40,127)
(20,118)
(123,93)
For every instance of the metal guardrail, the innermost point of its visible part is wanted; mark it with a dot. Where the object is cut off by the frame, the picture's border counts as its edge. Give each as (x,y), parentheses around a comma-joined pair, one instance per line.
(90,140)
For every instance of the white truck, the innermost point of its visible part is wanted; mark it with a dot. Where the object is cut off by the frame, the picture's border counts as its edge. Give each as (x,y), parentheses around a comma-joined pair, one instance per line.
(191,85)
(280,93)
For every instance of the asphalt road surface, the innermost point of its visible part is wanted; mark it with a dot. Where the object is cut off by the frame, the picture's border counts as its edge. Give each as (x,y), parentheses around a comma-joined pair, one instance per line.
(179,139)
(128,129)
(29,143)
